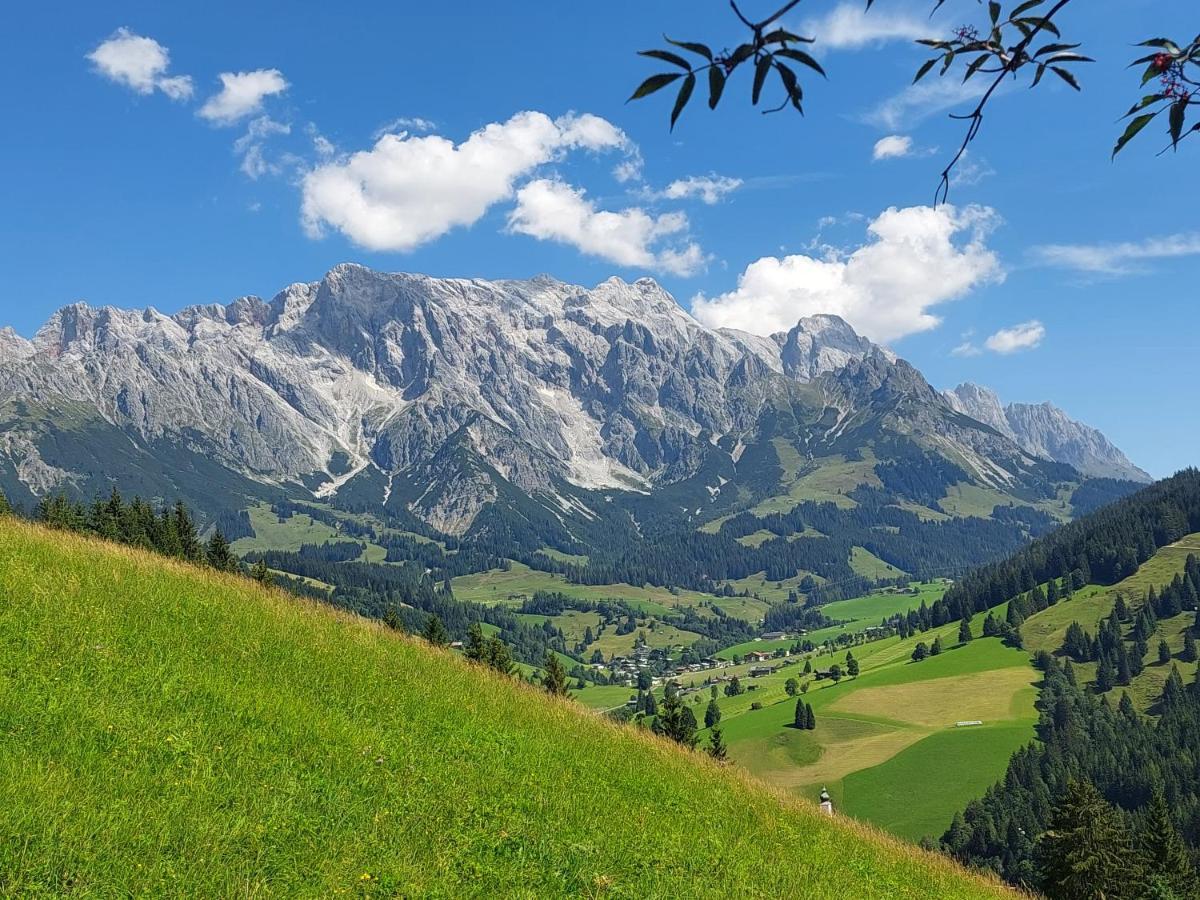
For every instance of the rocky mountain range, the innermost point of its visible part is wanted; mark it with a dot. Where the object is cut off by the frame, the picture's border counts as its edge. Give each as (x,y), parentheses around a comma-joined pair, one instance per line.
(438,400)
(1045,430)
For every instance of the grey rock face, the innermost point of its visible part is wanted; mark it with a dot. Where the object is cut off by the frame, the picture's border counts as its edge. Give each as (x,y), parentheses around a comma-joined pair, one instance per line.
(1046,431)
(538,383)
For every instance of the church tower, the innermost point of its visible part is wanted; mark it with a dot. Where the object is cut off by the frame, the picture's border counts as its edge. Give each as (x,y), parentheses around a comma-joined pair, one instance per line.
(826,803)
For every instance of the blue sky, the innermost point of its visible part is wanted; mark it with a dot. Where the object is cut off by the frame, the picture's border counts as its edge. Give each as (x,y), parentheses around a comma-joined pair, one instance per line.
(172,154)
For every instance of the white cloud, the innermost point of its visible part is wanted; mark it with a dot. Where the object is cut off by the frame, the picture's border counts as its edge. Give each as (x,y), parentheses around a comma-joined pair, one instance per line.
(407,190)
(250,146)
(1119,258)
(629,169)
(970,170)
(916,259)
(893,146)
(405,123)
(708,188)
(966,348)
(921,100)
(1025,336)
(849,26)
(242,95)
(552,210)
(139,63)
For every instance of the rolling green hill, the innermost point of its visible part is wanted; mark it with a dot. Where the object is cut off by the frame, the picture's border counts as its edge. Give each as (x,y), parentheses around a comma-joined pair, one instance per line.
(167,731)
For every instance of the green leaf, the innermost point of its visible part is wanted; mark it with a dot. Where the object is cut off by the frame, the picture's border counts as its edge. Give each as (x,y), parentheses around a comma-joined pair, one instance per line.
(1151,73)
(791,85)
(975,64)
(924,70)
(1178,110)
(1044,24)
(654,83)
(1055,48)
(761,68)
(1162,43)
(801,57)
(782,34)
(1041,70)
(1065,76)
(1131,132)
(716,85)
(994,11)
(667,56)
(698,49)
(741,54)
(1143,103)
(684,95)
(1024,8)
(1069,57)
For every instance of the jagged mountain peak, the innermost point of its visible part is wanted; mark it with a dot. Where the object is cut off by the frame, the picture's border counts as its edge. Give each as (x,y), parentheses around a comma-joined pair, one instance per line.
(1045,430)
(823,343)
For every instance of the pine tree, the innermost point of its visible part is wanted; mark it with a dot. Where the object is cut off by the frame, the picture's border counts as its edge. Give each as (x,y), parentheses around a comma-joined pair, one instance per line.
(964,631)
(920,651)
(1189,647)
(676,721)
(219,554)
(1165,853)
(262,574)
(936,647)
(800,720)
(5,507)
(554,676)
(811,718)
(1164,652)
(712,715)
(1086,853)
(1106,675)
(852,667)
(435,632)
(716,746)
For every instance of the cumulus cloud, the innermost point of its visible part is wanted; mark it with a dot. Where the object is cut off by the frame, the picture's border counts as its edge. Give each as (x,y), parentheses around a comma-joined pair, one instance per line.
(708,188)
(966,348)
(1120,258)
(407,190)
(552,210)
(139,63)
(848,26)
(892,147)
(1024,336)
(242,95)
(916,258)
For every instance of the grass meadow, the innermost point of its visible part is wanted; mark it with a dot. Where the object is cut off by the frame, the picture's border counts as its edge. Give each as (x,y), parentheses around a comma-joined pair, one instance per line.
(170,732)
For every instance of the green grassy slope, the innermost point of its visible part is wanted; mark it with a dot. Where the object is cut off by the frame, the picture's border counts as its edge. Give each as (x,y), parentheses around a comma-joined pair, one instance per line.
(170,732)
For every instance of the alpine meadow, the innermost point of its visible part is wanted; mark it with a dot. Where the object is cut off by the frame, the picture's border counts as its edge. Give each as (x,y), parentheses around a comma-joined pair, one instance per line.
(703,450)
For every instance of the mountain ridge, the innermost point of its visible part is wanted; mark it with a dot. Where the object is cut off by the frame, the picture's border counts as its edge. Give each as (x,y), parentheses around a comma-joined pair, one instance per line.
(436,398)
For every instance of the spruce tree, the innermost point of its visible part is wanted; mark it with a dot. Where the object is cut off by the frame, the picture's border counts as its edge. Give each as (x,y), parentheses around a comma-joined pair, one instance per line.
(716,746)
(5,507)
(219,554)
(1086,853)
(262,574)
(712,715)
(852,667)
(435,632)
(676,722)
(920,651)
(1164,652)
(554,676)
(964,631)
(1163,849)
(800,719)
(811,717)
(1189,647)
(936,647)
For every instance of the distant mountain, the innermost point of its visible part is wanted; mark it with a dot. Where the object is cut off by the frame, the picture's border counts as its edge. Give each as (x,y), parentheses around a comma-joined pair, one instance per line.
(1045,430)
(517,414)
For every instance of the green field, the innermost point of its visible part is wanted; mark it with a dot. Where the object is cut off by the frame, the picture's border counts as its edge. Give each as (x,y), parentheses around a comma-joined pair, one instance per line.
(824,480)
(868,565)
(520,582)
(293,533)
(891,733)
(169,732)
